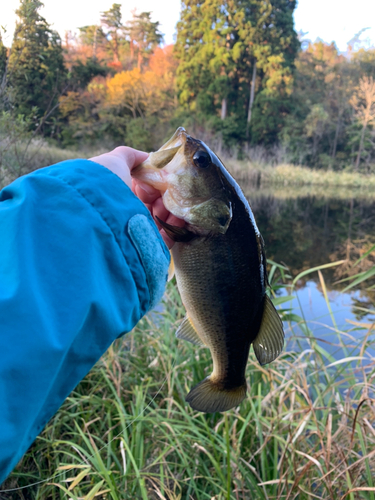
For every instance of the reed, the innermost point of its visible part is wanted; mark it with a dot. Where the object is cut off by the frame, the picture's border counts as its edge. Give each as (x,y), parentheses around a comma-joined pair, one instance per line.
(305,430)
(294,175)
(22,157)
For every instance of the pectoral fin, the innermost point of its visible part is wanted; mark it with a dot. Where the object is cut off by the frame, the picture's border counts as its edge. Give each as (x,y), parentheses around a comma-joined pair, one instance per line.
(270,340)
(186,331)
(176,233)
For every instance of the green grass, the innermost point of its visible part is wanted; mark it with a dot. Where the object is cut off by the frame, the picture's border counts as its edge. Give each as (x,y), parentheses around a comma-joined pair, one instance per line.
(306,429)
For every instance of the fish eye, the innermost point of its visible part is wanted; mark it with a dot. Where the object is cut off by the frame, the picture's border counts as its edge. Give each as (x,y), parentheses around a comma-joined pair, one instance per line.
(202,159)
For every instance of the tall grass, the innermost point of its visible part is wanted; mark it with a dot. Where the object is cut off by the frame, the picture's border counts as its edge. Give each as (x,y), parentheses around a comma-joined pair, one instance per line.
(306,429)
(21,157)
(294,175)
(291,192)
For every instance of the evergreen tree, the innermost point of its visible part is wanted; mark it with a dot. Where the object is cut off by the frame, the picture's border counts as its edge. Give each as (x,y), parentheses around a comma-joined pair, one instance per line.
(36,68)
(145,35)
(111,19)
(92,36)
(235,54)
(3,63)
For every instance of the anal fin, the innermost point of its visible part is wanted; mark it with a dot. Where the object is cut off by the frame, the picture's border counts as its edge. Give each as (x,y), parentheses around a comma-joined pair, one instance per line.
(270,339)
(186,331)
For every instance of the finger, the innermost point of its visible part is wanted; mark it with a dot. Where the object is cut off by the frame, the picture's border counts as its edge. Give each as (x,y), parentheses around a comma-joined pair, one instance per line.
(145,193)
(120,161)
(132,157)
(167,239)
(159,210)
(175,221)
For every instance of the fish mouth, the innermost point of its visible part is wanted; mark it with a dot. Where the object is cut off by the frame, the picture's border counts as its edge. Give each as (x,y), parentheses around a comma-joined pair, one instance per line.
(160,158)
(177,140)
(173,171)
(164,155)
(151,170)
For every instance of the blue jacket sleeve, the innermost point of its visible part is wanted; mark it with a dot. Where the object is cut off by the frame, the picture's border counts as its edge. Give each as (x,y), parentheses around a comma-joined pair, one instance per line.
(81,261)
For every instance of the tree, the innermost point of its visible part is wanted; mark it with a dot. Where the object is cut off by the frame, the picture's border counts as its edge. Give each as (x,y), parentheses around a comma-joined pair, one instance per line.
(204,48)
(144,34)
(315,125)
(363,102)
(163,65)
(3,65)
(128,90)
(37,75)
(92,36)
(237,55)
(111,19)
(364,62)
(324,81)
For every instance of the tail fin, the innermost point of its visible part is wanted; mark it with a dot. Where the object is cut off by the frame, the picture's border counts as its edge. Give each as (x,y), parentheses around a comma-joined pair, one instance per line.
(208,397)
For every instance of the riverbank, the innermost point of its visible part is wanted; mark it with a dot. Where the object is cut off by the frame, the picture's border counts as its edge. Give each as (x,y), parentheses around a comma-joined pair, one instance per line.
(294,175)
(21,158)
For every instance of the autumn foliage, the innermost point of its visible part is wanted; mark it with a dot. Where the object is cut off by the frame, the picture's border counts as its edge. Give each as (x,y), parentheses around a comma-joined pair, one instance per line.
(237,75)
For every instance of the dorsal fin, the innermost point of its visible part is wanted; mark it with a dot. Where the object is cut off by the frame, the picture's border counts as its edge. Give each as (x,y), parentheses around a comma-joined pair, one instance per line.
(270,339)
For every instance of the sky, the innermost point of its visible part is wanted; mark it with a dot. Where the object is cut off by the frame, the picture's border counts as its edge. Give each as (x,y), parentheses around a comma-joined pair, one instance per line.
(330,20)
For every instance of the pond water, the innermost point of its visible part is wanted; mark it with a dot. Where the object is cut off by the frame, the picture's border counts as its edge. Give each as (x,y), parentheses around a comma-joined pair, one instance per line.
(308,227)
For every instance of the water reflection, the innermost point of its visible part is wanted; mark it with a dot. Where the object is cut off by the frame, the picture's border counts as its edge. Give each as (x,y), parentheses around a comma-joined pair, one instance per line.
(306,231)
(311,305)
(308,227)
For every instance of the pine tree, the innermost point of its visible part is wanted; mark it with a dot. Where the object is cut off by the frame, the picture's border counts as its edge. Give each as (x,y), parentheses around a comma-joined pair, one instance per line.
(145,35)
(36,68)
(111,19)
(93,36)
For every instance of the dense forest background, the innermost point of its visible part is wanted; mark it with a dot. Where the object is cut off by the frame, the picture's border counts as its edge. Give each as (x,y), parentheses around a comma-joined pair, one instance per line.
(238,76)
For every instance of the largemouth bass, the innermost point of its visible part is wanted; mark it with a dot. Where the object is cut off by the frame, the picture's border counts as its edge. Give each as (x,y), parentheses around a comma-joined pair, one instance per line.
(220,267)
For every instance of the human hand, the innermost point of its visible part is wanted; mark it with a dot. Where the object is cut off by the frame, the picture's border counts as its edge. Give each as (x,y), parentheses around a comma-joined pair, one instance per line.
(151,197)
(122,161)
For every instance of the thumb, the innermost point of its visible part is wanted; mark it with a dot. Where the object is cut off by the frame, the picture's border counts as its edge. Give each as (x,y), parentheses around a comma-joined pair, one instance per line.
(121,161)
(132,157)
